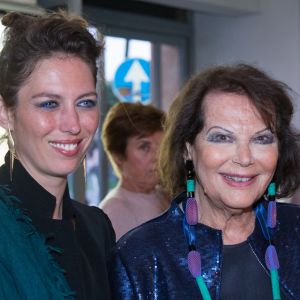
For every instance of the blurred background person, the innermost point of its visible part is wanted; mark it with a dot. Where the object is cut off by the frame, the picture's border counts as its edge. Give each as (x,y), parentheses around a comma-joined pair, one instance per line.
(50,109)
(229,152)
(131,136)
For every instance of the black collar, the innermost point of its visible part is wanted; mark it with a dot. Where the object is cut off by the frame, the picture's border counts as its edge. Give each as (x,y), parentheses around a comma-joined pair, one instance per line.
(34,198)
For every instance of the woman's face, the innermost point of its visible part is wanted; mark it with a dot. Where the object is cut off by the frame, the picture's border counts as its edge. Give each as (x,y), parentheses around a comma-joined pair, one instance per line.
(139,167)
(235,154)
(56,117)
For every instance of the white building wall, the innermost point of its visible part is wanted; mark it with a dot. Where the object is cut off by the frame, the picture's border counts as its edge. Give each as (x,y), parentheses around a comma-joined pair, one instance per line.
(269,39)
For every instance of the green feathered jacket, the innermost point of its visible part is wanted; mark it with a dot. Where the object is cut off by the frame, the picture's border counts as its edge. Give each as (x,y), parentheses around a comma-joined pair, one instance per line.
(27,269)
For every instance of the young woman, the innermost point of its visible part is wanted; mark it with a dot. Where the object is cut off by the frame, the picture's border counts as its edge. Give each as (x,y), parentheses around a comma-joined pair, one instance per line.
(51,247)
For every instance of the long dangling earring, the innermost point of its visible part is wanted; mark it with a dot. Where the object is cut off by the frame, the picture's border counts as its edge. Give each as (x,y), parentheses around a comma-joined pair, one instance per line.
(271,257)
(191,204)
(84,169)
(191,218)
(12,155)
(272,209)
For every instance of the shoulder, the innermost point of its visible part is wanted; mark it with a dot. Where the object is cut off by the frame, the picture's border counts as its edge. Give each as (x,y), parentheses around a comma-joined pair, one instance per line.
(118,202)
(144,247)
(153,230)
(113,197)
(137,249)
(287,241)
(150,235)
(289,213)
(90,211)
(288,225)
(111,201)
(288,218)
(94,218)
(153,235)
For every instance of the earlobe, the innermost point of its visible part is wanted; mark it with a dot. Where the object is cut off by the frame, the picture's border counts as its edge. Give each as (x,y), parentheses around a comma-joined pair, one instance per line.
(188,152)
(118,159)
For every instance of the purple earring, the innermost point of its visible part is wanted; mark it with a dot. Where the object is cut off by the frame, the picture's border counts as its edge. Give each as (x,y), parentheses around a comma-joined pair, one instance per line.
(272,209)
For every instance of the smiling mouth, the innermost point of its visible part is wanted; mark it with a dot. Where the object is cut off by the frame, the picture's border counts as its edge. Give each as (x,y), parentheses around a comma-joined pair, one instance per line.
(238,178)
(65,147)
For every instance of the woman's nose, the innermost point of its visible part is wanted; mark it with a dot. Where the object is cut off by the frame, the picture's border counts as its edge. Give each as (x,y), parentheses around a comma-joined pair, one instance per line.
(70,121)
(243,155)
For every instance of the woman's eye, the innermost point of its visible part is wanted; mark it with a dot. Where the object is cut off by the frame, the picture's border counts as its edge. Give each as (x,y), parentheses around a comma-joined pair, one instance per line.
(144,147)
(48,104)
(264,139)
(220,138)
(87,103)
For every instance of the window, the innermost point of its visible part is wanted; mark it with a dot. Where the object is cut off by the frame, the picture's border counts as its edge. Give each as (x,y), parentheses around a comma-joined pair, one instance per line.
(163,43)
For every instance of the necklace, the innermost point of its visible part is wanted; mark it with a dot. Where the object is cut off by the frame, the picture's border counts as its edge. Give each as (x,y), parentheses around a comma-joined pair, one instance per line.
(267,221)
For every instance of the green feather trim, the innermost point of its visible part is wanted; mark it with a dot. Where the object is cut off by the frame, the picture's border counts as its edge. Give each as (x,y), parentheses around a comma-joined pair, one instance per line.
(27,268)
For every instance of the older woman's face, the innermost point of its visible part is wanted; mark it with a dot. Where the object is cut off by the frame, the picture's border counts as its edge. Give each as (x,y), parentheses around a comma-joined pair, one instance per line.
(139,167)
(56,117)
(235,155)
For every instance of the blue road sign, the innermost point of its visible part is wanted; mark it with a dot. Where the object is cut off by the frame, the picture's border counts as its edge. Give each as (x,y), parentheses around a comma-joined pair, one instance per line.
(132,81)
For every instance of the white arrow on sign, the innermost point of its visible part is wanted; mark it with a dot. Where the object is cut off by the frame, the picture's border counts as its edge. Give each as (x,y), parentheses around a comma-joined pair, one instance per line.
(136,75)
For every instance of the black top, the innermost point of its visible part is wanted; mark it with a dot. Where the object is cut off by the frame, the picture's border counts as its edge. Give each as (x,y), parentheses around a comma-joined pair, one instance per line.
(84,235)
(239,267)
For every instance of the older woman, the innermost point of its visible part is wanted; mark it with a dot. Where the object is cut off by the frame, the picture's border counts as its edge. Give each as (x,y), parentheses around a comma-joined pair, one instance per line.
(131,135)
(229,151)
(51,247)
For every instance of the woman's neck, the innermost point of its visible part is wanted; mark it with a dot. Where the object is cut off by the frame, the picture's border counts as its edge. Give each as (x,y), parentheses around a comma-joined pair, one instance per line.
(236,224)
(136,188)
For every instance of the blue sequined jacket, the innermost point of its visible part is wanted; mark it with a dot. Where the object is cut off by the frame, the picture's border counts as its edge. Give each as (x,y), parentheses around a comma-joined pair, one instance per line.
(150,262)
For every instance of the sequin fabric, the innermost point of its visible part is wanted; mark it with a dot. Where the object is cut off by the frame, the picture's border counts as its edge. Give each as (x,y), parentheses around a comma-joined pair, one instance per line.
(150,262)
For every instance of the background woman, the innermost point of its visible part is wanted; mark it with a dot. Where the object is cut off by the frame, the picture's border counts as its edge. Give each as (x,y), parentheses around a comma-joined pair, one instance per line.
(131,135)
(49,107)
(229,150)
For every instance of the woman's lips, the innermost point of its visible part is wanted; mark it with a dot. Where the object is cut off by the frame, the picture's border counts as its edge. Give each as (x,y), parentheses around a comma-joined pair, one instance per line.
(237,180)
(67,148)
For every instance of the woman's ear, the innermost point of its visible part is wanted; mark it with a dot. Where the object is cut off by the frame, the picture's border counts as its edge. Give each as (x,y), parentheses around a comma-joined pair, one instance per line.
(5,118)
(118,159)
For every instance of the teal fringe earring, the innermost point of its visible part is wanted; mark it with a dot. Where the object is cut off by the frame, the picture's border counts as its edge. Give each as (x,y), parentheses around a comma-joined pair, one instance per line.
(271,257)
(268,222)
(189,221)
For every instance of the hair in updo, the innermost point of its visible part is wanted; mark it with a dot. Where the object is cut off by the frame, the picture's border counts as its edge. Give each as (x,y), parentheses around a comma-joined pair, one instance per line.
(29,39)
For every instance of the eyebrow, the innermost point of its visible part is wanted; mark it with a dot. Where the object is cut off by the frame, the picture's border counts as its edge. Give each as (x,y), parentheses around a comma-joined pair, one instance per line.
(56,96)
(143,138)
(220,127)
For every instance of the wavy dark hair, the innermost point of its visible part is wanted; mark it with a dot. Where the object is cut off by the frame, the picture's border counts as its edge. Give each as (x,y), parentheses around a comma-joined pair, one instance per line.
(185,120)
(29,39)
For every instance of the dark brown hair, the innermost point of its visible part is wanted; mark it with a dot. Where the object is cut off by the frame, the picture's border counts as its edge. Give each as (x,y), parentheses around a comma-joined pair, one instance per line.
(29,39)
(125,120)
(186,119)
